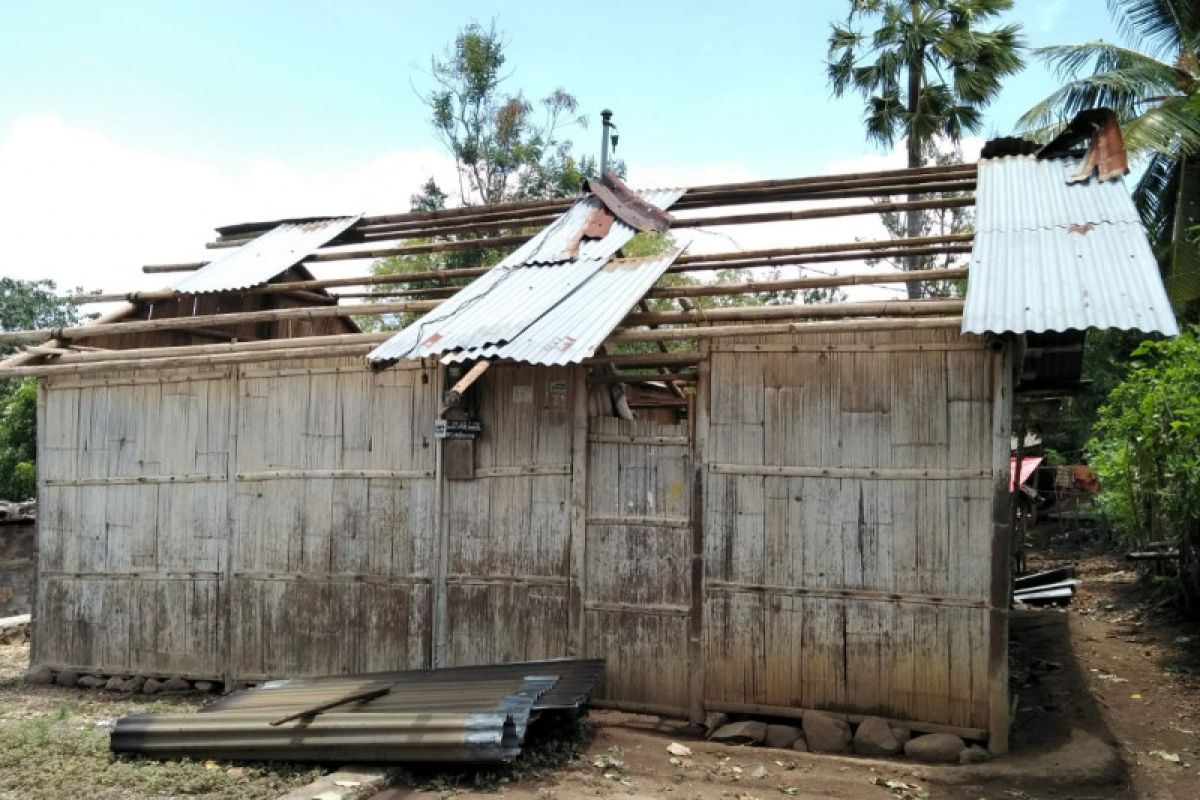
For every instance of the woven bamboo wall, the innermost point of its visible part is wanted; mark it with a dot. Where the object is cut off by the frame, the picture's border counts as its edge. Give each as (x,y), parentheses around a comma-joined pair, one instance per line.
(291,518)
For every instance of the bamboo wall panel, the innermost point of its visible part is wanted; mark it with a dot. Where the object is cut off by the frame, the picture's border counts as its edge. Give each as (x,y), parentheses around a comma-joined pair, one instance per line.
(847,512)
(638,556)
(507,529)
(335,519)
(131,479)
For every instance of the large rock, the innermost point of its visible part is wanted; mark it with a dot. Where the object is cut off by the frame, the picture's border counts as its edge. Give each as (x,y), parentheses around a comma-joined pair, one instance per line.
(176,685)
(745,732)
(782,736)
(204,686)
(39,675)
(134,684)
(800,745)
(91,682)
(974,755)
(714,720)
(67,678)
(935,748)
(902,734)
(114,684)
(874,737)
(152,686)
(826,733)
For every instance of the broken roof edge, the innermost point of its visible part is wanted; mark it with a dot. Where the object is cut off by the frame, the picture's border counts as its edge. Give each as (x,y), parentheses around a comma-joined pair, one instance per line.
(265,257)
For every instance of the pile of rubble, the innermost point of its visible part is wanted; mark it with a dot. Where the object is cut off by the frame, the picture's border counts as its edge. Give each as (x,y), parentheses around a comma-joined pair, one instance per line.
(820,732)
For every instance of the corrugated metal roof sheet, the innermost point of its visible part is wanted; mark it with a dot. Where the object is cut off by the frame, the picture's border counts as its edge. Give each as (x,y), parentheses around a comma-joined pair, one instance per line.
(1053,256)
(572,330)
(261,259)
(464,714)
(518,291)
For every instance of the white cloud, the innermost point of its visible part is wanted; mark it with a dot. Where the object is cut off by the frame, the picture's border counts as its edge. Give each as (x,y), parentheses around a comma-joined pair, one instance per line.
(84,210)
(1049,14)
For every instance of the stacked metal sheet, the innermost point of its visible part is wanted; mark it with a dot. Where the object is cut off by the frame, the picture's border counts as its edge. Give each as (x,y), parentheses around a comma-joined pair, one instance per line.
(461,714)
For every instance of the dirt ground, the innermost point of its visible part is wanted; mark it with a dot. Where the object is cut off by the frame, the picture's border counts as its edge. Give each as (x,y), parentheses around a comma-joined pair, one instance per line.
(1108,708)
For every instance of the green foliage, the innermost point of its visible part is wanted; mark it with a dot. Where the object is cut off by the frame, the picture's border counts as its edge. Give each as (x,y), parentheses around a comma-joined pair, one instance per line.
(24,305)
(502,148)
(926,69)
(18,442)
(1155,92)
(1107,358)
(1146,451)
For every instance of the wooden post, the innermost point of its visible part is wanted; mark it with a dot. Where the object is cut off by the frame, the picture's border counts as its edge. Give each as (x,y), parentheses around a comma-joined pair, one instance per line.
(698,419)
(231,540)
(577,635)
(1001,582)
(440,623)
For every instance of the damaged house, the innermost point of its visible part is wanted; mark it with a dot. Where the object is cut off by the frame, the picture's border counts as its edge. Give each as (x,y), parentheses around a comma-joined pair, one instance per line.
(759,509)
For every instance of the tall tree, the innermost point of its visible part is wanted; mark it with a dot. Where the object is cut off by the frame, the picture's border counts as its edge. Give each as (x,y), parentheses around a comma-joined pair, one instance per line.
(927,69)
(504,146)
(1154,86)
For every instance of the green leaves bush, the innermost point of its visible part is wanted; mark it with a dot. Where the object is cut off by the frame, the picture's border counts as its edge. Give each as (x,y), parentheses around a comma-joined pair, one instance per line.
(1146,451)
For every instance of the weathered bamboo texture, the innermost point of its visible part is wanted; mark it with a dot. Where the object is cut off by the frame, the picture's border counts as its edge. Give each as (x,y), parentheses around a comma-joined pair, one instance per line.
(846,525)
(848,505)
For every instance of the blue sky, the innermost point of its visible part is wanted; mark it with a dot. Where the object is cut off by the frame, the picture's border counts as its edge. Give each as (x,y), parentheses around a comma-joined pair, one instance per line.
(305,93)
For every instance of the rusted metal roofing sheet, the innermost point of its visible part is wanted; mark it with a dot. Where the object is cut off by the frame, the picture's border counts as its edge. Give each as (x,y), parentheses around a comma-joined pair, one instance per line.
(519,290)
(261,259)
(572,330)
(1054,256)
(465,714)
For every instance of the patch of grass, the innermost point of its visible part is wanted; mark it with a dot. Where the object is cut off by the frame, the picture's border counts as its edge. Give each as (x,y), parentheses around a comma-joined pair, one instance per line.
(47,758)
(54,744)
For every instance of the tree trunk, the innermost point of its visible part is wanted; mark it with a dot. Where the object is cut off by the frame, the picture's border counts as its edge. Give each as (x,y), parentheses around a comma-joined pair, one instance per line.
(915,69)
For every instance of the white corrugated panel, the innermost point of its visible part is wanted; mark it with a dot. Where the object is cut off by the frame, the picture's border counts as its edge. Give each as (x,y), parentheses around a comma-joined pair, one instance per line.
(518,291)
(261,259)
(573,329)
(1053,256)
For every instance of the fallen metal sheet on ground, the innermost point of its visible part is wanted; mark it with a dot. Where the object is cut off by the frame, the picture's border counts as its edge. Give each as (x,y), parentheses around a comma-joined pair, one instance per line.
(459,714)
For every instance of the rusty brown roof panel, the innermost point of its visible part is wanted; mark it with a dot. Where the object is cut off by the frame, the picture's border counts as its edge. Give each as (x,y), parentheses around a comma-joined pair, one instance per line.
(627,206)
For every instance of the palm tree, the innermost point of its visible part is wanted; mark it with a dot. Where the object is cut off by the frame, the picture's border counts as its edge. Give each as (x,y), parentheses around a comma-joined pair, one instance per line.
(926,70)
(1154,86)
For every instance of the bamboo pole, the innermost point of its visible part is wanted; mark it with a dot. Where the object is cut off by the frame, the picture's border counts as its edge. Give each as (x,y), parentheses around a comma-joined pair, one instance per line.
(693,265)
(125,365)
(855,279)
(723,331)
(492,223)
(910,175)
(331,340)
(19,359)
(890,308)
(821,213)
(214,320)
(473,374)
(633,360)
